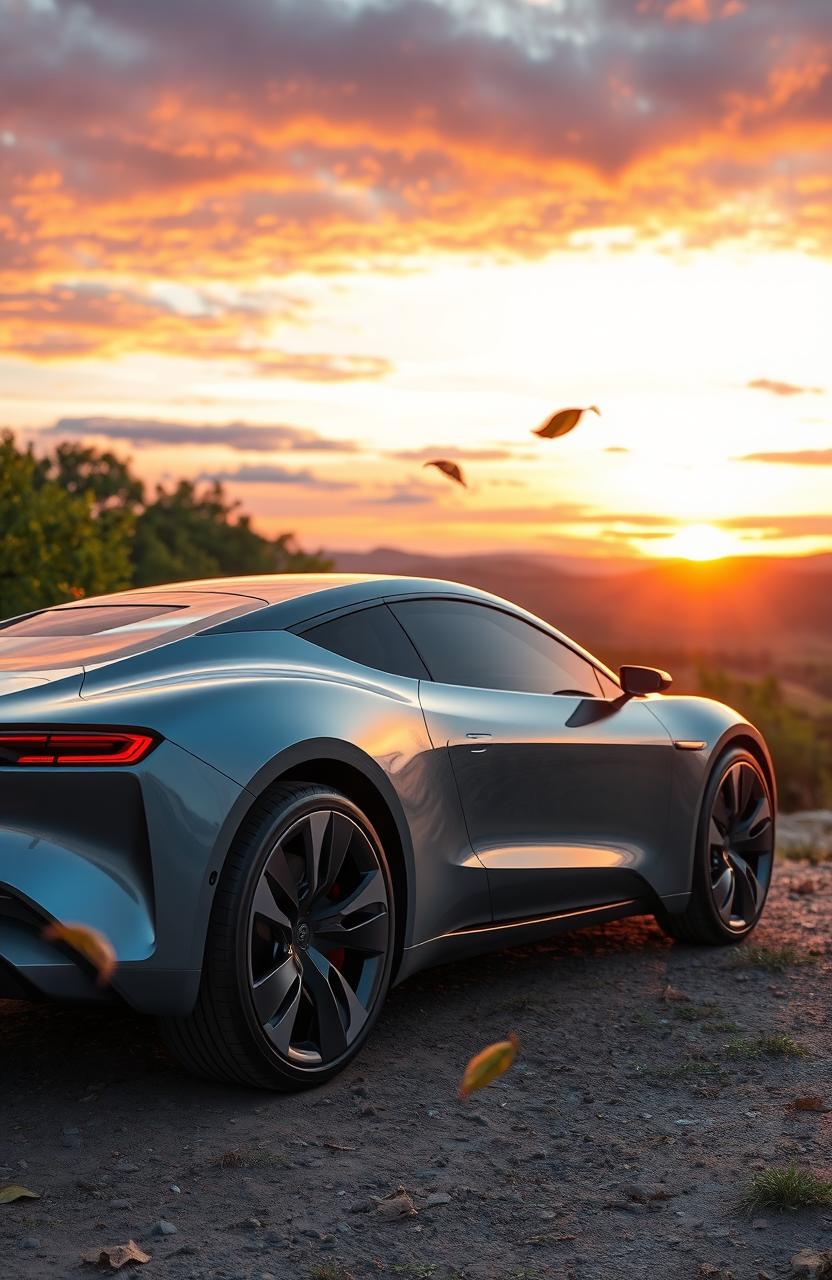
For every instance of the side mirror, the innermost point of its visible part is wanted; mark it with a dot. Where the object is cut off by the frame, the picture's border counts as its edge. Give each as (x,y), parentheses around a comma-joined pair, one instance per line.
(636,681)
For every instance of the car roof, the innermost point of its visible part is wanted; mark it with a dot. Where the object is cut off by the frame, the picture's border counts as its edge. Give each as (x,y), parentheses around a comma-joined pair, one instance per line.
(257,602)
(268,587)
(292,595)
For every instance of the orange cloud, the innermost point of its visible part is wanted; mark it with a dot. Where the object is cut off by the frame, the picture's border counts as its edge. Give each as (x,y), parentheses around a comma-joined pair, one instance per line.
(193,140)
(777,387)
(63,322)
(793,457)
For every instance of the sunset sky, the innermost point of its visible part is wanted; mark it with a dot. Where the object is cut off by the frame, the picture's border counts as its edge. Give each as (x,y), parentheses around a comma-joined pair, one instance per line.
(302,247)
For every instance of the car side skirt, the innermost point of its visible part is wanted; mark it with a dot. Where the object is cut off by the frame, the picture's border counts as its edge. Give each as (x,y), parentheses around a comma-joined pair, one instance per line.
(477,939)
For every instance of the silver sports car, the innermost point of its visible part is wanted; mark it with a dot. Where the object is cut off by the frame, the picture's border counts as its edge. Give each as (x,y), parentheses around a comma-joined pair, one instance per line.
(276,796)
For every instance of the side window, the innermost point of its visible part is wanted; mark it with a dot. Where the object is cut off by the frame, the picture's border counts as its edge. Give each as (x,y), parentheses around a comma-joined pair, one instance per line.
(473,644)
(372,637)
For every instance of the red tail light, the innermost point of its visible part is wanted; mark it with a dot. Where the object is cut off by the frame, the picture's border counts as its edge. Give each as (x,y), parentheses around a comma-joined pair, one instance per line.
(62,747)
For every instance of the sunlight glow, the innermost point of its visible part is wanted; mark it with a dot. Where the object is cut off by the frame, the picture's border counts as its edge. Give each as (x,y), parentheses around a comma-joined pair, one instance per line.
(700,542)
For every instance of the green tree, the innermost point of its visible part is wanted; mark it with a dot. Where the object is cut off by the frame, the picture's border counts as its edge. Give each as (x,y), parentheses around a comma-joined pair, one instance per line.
(77,522)
(105,479)
(188,532)
(52,546)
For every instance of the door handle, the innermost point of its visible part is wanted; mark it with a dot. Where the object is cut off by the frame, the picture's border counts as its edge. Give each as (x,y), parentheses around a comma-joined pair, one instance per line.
(478,735)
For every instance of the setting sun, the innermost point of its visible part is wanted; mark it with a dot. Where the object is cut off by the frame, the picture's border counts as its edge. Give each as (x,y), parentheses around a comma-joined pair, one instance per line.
(700,542)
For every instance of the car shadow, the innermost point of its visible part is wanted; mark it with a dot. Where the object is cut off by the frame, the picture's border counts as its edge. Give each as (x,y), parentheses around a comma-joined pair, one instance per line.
(61,1052)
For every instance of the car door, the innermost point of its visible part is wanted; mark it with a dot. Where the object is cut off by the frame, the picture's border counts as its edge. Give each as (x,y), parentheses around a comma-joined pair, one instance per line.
(565,792)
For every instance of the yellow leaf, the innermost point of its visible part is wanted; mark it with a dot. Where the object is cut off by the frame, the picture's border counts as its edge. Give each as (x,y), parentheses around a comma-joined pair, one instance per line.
(563,421)
(809,1102)
(488,1065)
(89,943)
(116,1255)
(13,1192)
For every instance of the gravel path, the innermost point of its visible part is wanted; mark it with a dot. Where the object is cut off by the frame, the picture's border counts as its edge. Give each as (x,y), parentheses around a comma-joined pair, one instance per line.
(618,1146)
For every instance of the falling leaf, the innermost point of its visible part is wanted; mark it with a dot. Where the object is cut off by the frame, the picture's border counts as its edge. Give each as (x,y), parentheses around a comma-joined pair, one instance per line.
(450,469)
(809,1102)
(672,995)
(89,943)
(563,421)
(491,1062)
(116,1255)
(397,1205)
(14,1192)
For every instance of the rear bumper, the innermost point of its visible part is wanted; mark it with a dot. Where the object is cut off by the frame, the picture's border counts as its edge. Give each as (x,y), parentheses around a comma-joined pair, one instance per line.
(129,852)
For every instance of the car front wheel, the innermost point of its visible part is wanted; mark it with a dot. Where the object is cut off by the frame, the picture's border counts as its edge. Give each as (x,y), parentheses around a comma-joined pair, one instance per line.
(300,945)
(734,855)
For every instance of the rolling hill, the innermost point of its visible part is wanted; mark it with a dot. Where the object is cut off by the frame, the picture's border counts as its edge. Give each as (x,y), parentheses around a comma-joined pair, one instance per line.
(761,611)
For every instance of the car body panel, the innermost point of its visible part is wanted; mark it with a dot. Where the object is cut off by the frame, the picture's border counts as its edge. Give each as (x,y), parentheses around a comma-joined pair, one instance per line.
(255,704)
(551,833)
(577,809)
(691,720)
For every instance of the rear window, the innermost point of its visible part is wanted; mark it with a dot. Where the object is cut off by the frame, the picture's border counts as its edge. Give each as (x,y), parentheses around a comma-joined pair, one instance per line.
(372,637)
(85,620)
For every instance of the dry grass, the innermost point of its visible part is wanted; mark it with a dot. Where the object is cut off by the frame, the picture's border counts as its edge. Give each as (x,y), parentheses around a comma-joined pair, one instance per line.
(772,959)
(775,1044)
(696,1012)
(690,1068)
(787,1188)
(251,1158)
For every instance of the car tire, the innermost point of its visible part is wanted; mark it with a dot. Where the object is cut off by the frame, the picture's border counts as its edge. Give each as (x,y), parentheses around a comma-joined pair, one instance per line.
(300,945)
(733,857)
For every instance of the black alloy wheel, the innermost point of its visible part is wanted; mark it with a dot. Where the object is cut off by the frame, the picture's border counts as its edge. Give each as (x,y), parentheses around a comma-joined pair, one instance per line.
(734,855)
(740,845)
(319,932)
(300,946)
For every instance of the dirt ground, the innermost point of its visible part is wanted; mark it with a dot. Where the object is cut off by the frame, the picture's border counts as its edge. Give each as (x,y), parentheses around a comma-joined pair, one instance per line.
(619,1145)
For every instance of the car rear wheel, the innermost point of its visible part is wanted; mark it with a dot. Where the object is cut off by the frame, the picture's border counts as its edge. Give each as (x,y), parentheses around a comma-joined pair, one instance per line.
(300,945)
(734,855)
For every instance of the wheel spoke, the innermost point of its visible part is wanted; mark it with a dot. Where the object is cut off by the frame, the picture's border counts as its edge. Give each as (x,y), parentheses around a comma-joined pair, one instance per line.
(315,829)
(358,1012)
(748,888)
(723,813)
(271,991)
(735,791)
(748,784)
(370,892)
(338,838)
(281,880)
(266,904)
(316,979)
(716,838)
(753,834)
(280,1029)
(756,844)
(723,890)
(355,932)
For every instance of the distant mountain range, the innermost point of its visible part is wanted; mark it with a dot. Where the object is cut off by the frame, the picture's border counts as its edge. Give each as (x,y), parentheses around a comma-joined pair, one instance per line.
(755,606)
